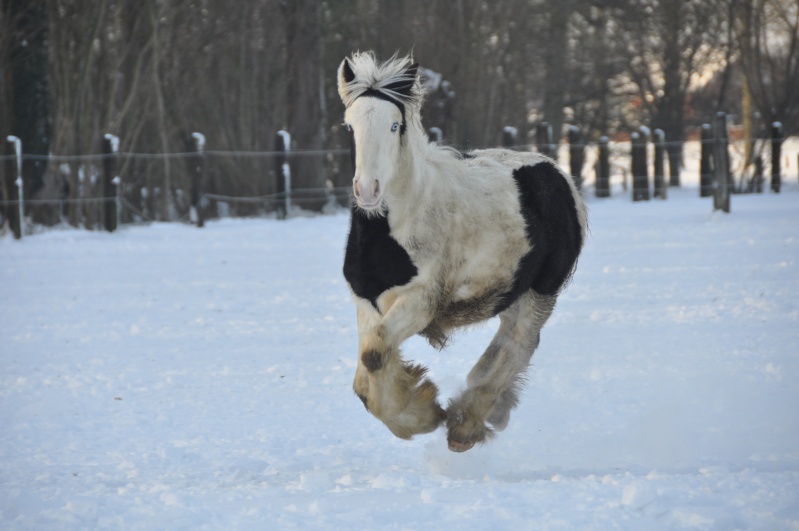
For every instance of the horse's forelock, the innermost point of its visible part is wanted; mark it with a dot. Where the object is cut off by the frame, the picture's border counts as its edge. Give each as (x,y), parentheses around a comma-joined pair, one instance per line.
(395,78)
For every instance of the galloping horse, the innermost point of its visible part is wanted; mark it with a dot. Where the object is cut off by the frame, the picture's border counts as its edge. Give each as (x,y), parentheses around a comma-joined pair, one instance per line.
(441,240)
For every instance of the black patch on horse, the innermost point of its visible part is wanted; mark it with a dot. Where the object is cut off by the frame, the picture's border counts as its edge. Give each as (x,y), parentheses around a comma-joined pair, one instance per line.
(374,261)
(553,231)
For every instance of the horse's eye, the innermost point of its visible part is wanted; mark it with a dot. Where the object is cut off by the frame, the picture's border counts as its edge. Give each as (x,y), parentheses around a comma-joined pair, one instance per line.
(394,127)
(348,127)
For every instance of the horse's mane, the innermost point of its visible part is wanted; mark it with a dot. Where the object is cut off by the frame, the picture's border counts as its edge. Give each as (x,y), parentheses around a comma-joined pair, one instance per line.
(386,77)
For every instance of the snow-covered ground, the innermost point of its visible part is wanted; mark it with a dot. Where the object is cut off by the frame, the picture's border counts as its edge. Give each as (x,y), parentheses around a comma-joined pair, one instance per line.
(167,377)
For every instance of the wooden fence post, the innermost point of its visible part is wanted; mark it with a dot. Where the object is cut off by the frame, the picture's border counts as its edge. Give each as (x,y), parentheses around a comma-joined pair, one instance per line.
(721,177)
(7,186)
(660,151)
(603,168)
(758,178)
(283,173)
(776,148)
(16,218)
(576,155)
(543,139)
(110,183)
(674,152)
(197,166)
(706,162)
(509,135)
(639,166)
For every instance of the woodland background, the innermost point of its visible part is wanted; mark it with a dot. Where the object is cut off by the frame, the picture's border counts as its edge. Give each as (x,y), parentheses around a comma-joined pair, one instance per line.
(153,72)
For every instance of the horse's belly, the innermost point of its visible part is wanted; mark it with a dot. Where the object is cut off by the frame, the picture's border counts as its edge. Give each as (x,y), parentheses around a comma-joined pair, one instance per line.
(488,269)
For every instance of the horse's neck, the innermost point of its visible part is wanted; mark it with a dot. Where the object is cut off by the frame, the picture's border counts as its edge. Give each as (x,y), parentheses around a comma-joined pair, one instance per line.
(412,185)
(420,185)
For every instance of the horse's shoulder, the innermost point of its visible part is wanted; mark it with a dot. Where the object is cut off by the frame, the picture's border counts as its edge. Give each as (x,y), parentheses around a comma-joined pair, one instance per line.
(374,261)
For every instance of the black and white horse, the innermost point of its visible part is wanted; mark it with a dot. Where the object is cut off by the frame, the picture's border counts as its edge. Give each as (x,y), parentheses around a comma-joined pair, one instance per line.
(440,240)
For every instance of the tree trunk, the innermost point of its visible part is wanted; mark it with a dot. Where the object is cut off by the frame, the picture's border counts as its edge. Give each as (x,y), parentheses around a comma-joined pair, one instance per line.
(29,119)
(556,67)
(304,116)
(669,115)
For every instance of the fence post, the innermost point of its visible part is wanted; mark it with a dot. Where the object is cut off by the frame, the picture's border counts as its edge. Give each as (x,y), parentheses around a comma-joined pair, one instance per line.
(543,139)
(659,138)
(674,152)
(776,148)
(283,172)
(639,165)
(110,183)
(509,135)
(196,213)
(19,226)
(706,162)
(721,178)
(576,155)
(602,187)
(758,178)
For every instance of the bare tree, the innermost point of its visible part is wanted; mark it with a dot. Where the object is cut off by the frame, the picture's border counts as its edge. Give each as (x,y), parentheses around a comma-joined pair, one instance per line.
(668,43)
(768,35)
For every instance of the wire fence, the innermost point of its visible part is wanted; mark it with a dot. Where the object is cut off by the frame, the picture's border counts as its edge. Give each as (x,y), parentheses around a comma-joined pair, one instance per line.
(80,191)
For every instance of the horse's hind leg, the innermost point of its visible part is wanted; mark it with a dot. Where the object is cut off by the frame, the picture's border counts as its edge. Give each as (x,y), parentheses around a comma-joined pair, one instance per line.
(494,381)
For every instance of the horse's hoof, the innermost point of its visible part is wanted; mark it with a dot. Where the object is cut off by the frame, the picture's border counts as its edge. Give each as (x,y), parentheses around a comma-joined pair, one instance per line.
(460,447)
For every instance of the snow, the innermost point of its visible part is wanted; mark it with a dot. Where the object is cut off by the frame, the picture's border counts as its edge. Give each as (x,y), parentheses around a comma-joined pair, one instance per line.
(169,377)
(114,140)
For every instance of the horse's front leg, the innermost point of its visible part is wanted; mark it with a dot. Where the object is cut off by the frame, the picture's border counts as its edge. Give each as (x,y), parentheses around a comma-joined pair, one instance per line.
(392,389)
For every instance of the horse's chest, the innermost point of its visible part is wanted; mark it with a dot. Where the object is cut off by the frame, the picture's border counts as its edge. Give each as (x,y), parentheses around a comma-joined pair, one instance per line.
(374,262)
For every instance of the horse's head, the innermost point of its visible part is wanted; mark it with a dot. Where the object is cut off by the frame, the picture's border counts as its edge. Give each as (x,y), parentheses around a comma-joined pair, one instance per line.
(381,99)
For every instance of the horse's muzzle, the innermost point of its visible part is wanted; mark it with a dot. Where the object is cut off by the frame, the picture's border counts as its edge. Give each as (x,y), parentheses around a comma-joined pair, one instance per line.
(368,195)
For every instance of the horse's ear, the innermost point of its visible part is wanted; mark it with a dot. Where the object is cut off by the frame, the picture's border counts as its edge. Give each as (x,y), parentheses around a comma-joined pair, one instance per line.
(412,71)
(345,72)
(405,85)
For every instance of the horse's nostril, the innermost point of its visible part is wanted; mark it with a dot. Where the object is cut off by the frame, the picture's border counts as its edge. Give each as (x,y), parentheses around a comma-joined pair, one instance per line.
(356,187)
(377,187)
